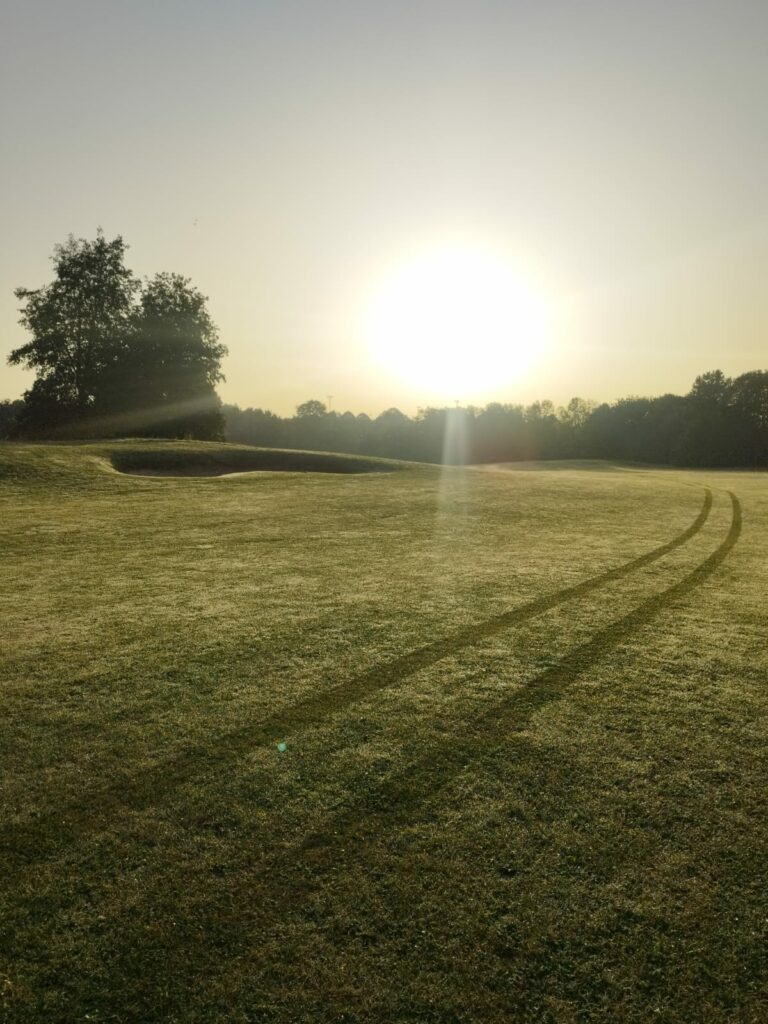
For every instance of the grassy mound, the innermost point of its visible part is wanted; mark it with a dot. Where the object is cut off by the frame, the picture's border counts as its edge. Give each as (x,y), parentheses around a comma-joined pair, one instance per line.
(188,459)
(72,462)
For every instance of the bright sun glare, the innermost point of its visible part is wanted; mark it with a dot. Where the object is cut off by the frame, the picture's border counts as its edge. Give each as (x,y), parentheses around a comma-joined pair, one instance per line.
(457,322)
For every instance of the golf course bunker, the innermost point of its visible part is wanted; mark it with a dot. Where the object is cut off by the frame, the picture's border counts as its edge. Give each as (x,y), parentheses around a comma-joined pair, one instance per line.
(172,462)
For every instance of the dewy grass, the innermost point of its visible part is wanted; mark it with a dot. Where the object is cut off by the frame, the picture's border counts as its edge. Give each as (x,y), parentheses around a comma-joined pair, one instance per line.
(467,745)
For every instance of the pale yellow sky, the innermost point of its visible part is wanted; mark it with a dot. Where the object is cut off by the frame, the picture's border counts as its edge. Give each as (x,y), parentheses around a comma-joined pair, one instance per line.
(288,155)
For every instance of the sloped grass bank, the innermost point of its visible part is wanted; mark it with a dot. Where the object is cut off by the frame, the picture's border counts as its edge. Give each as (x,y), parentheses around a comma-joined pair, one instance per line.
(67,463)
(219,460)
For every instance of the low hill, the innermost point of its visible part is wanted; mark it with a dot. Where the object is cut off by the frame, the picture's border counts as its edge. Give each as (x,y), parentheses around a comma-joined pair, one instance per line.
(141,457)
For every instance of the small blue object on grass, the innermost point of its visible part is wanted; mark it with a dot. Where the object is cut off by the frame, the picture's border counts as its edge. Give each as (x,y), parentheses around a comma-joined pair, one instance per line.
(282,747)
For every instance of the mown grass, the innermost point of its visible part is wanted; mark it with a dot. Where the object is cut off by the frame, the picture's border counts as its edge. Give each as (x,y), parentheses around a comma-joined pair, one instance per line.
(524,715)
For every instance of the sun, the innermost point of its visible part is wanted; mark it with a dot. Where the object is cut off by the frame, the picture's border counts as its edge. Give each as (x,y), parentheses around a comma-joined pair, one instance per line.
(457,322)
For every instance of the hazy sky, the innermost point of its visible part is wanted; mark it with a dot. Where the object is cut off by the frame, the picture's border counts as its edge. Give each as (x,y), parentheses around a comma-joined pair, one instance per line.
(287,155)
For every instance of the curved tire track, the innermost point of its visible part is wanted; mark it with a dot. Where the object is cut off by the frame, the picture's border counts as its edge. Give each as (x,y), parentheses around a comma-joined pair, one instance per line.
(26,845)
(397,797)
(288,877)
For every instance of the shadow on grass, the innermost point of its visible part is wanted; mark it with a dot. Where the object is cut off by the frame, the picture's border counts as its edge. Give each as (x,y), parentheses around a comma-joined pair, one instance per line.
(183,462)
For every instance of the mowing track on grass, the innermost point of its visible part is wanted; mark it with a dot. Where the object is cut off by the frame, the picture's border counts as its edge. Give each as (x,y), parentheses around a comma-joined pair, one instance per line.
(25,845)
(397,797)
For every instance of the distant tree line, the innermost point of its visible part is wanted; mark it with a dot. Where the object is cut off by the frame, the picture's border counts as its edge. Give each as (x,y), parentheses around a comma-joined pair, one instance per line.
(114,355)
(722,421)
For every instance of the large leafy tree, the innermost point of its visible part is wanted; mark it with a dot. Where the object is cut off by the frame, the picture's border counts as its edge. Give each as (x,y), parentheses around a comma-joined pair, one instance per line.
(163,381)
(114,356)
(79,323)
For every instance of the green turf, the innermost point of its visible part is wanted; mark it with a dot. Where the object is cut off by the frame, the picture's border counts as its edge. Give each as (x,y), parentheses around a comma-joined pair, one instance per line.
(408,746)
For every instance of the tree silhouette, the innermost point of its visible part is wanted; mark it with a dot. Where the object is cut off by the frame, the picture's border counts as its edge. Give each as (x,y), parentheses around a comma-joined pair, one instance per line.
(720,422)
(114,356)
(164,379)
(10,411)
(311,408)
(79,323)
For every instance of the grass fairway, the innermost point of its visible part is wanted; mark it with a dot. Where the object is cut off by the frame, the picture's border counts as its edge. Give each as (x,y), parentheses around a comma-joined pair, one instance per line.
(525,759)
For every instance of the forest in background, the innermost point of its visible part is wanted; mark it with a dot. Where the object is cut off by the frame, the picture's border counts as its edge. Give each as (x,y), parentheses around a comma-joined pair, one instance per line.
(722,421)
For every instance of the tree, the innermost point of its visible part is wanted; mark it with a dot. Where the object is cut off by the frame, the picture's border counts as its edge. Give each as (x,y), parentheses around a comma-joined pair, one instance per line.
(254,426)
(78,323)
(749,397)
(9,417)
(712,388)
(163,380)
(543,430)
(114,356)
(749,394)
(577,412)
(311,408)
(710,438)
